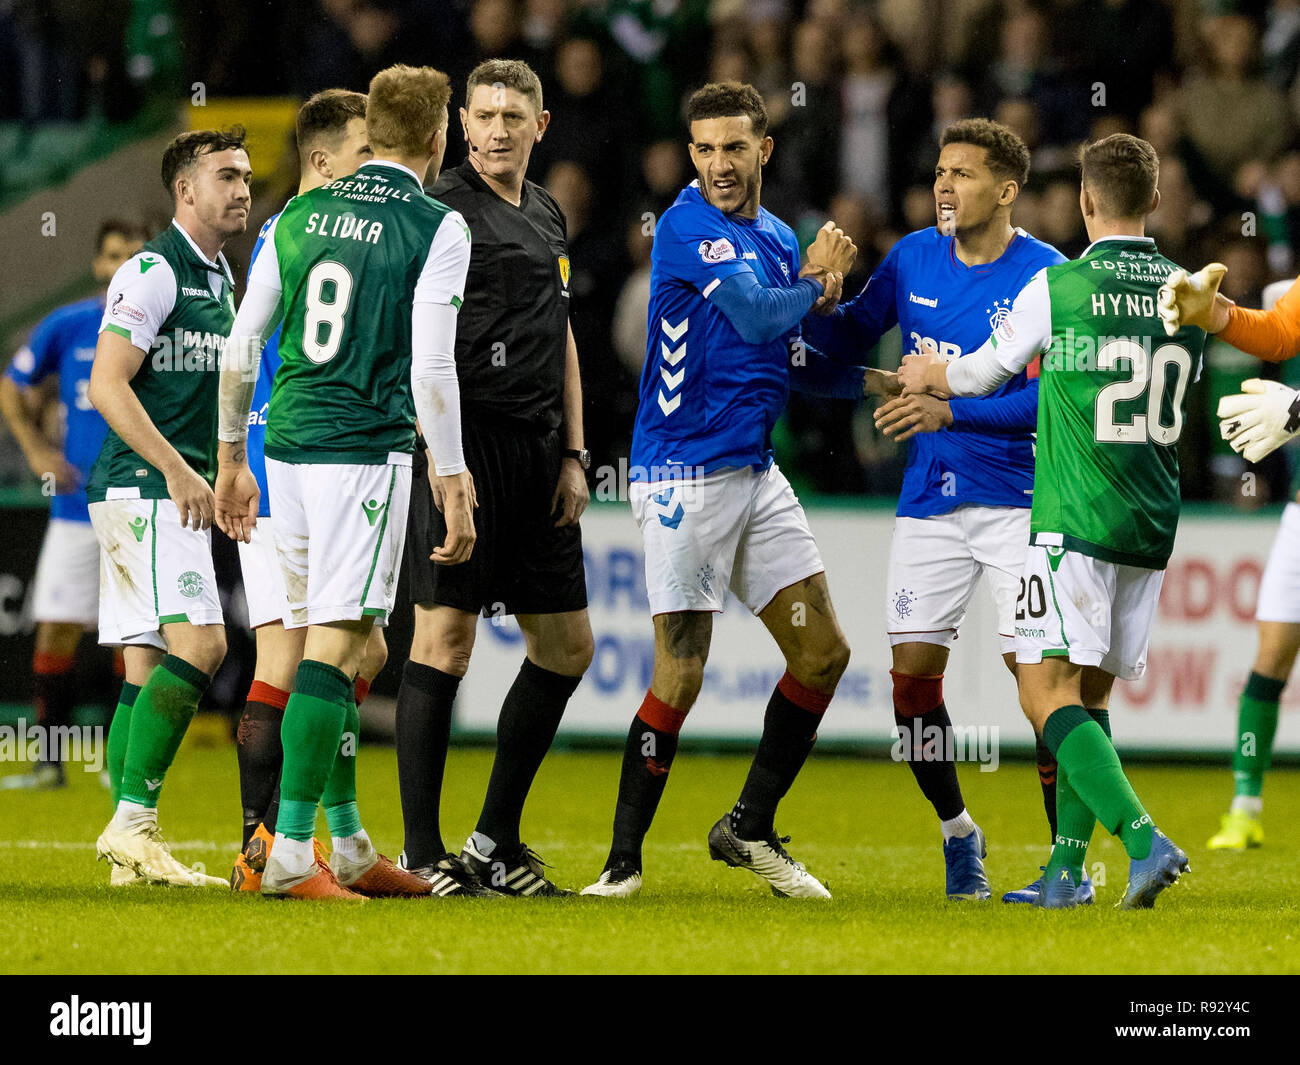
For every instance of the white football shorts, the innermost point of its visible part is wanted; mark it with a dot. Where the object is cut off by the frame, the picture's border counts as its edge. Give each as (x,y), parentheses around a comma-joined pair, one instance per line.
(1279,588)
(66,586)
(1096,613)
(936,562)
(152,572)
(339,533)
(741,529)
(259,563)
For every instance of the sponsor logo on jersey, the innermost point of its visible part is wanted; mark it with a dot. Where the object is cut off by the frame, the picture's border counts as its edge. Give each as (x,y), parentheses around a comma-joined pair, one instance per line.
(202,293)
(127,312)
(138,526)
(924,301)
(717,251)
(373,509)
(190,584)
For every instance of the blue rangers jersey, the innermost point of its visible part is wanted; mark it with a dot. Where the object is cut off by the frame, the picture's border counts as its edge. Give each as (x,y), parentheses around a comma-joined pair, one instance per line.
(64,344)
(986,456)
(262,396)
(709,399)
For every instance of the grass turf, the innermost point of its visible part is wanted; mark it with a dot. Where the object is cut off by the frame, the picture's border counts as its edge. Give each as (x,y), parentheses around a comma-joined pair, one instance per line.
(860,825)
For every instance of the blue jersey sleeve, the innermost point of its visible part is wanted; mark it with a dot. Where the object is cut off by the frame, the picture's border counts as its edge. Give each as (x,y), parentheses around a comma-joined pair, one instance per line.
(761,314)
(1013,414)
(39,357)
(693,247)
(857,326)
(814,374)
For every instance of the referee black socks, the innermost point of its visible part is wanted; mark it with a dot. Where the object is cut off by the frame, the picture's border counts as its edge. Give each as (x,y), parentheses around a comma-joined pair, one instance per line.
(525,730)
(424,703)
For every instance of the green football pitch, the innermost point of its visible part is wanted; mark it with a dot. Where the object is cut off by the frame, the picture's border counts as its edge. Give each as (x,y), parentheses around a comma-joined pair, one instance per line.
(859,825)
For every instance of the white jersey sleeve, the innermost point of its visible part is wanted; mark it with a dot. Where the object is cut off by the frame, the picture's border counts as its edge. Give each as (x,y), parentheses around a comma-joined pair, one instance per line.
(1023,335)
(434,385)
(140,297)
(443,278)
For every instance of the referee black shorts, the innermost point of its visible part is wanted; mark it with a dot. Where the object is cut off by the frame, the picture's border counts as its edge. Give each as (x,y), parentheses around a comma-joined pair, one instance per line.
(522,564)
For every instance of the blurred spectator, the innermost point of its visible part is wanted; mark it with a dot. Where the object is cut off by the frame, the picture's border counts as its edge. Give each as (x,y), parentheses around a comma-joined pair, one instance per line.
(867,98)
(1060,219)
(796,178)
(596,264)
(586,124)
(1123,46)
(1259,127)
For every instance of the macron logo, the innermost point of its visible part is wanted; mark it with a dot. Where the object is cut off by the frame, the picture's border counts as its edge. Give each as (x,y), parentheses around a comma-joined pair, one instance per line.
(79,1018)
(914,298)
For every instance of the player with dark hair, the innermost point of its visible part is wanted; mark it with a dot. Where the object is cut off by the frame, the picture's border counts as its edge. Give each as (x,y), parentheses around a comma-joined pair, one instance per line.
(1106,500)
(715,511)
(521,416)
(964,508)
(155,382)
(65,590)
(332,143)
(369,273)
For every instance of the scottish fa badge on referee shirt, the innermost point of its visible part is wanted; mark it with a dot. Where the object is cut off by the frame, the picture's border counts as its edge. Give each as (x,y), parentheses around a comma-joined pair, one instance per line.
(564,272)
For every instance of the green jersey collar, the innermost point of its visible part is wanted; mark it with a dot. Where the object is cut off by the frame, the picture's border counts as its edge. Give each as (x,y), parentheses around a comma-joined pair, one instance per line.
(1120,238)
(396,166)
(220,266)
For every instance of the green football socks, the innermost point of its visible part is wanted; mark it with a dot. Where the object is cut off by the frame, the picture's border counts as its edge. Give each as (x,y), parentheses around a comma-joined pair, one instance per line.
(118,731)
(1074,821)
(310,733)
(156,726)
(1256,726)
(340,796)
(1091,766)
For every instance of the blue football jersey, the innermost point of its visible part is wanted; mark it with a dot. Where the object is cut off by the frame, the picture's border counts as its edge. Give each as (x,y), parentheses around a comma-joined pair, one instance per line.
(64,344)
(930,294)
(708,399)
(262,395)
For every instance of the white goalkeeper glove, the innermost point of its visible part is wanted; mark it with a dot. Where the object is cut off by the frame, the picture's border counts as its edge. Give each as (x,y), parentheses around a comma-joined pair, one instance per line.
(1259,419)
(1188,299)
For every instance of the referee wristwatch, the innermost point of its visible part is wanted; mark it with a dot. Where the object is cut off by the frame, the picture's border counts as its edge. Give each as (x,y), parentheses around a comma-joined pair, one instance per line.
(580,453)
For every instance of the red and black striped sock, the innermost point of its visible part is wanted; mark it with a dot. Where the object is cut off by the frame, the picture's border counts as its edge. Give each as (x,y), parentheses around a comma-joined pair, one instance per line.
(647,757)
(790,724)
(259,752)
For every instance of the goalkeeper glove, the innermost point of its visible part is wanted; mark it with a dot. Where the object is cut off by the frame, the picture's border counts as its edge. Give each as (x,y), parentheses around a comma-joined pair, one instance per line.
(1260,419)
(1188,299)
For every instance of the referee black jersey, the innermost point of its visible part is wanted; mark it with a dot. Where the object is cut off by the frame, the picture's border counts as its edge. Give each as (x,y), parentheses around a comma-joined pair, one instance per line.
(511,330)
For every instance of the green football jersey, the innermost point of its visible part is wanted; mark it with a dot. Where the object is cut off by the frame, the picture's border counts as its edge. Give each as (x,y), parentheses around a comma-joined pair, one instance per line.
(349,257)
(174,303)
(1111,407)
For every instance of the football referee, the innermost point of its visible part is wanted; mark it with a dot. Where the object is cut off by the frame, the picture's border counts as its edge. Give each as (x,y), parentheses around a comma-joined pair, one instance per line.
(521,424)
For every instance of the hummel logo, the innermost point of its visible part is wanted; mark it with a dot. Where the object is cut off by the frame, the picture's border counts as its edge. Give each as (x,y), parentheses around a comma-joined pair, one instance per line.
(138,526)
(914,298)
(153,785)
(146,263)
(373,509)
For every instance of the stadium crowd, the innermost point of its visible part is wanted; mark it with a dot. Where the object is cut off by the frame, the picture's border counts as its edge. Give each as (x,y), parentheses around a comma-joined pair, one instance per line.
(857,92)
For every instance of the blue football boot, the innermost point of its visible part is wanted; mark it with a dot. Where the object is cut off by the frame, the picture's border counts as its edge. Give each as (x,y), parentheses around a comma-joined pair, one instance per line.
(964,858)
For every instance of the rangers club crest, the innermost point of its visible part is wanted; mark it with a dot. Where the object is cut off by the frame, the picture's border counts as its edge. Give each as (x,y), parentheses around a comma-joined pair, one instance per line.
(1000,319)
(903,602)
